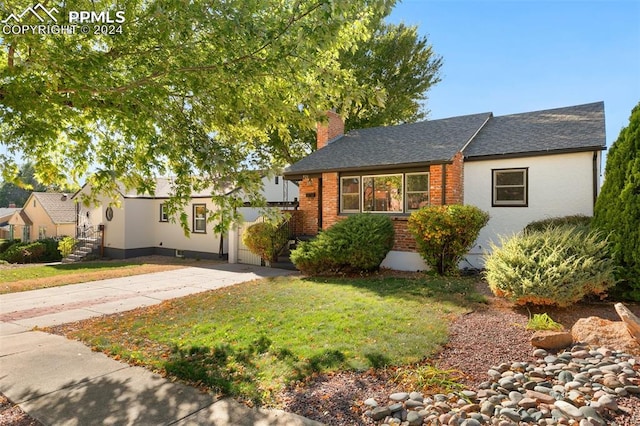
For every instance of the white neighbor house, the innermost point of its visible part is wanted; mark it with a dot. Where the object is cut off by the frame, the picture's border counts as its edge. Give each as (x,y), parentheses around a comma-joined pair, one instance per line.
(519,168)
(139,226)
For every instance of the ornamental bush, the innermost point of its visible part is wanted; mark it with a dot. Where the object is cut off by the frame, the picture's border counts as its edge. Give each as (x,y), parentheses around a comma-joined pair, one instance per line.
(444,234)
(557,266)
(358,243)
(66,246)
(265,239)
(581,222)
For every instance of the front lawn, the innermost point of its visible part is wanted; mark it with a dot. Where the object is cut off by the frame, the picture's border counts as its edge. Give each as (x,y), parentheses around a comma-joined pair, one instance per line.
(251,339)
(15,278)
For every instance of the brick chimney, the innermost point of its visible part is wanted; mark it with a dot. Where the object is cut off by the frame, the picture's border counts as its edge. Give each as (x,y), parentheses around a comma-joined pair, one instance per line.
(328,131)
(12,205)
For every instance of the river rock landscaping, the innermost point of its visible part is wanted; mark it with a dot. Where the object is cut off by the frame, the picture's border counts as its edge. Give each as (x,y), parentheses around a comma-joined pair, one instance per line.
(578,386)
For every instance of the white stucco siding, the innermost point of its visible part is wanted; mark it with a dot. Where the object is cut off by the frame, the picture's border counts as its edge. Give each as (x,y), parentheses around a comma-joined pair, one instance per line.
(140,218)
(170,235)
(558,185)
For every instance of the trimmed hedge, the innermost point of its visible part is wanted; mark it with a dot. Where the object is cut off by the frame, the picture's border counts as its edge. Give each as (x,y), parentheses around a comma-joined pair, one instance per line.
(444,234)
(557,266)
(45,250)
(358,243)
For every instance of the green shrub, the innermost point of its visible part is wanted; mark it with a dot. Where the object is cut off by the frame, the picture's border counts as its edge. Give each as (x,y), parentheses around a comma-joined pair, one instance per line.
(51,252)
(579,221)
(617,209)
(66,246)
(265,239)
(357,243)
(543,322)
(556,266)
(24,252)
(45,250)
(444,234)
(7,243)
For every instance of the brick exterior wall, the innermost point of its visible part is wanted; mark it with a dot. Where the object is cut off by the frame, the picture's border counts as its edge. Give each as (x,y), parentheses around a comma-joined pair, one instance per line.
(309,198)
(455,179)
(333,128)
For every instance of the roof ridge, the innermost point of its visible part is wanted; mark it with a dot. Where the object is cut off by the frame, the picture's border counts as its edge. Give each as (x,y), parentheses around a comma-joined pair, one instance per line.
(552,109)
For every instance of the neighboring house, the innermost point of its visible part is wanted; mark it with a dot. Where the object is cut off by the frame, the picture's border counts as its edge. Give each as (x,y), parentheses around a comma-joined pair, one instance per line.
(5,215)
(519,168)
(45,214)
(138,225)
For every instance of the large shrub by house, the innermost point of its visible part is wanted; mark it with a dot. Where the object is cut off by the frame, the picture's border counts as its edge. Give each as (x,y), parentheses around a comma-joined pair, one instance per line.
(265,239)
(444,234)
(357,243)
(617,210)
(556,266)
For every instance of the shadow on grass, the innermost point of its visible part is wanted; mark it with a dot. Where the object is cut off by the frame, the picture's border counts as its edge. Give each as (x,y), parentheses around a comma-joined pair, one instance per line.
(459,291)
(234,372)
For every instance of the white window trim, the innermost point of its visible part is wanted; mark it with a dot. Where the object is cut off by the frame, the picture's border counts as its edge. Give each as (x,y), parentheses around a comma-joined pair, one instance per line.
(359,194)
(407,192)
(195,219)
(164,217)
(388,211)
(509,203)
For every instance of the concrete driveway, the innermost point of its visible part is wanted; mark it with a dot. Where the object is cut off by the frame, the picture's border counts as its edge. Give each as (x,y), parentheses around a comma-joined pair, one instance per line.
(62,382)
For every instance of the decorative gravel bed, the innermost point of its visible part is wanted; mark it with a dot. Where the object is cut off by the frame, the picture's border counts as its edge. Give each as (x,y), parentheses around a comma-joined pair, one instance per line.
(481,339)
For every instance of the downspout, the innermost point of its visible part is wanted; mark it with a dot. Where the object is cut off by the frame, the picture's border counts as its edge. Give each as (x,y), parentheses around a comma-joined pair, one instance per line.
(596,173)
(444,184)
(319,203)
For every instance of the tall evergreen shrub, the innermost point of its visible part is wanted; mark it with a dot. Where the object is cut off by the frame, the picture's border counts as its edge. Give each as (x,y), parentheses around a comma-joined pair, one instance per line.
(617,210)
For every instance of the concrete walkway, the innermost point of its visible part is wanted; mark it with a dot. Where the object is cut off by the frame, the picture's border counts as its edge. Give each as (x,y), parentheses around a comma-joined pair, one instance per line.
(62,382)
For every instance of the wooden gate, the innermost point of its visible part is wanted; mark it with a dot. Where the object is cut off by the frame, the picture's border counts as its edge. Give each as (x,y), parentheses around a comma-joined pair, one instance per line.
(244,254)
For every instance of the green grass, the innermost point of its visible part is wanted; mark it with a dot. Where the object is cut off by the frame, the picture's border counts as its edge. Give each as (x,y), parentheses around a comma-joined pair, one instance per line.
(252,339)
(31,272)
(543,322)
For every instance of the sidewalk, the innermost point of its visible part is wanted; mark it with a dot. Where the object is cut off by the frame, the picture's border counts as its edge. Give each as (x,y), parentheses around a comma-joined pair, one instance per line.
(62,382)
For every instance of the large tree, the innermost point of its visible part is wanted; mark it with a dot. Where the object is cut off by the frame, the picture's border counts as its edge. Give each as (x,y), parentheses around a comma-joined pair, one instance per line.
(617,210)
(397,66)
(17,192)
(403,66)
(189,89)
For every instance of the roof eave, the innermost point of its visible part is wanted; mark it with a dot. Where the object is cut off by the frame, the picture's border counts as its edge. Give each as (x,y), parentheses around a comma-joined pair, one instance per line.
(534,153)
(301,174)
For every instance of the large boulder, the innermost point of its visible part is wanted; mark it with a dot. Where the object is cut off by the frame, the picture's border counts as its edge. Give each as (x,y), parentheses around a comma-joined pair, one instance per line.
(596,331)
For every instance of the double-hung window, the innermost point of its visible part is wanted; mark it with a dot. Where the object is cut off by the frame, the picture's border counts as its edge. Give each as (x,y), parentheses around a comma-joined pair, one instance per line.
(417,191)
(510,188)
(350,194)
(164,217)
(200,218)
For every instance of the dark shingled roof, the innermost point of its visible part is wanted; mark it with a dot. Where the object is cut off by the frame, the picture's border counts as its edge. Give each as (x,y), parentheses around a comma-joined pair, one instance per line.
(416,143)
(575,128)
(60,207)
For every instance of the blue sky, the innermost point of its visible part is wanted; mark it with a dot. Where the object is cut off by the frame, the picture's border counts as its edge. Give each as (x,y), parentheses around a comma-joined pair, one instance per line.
(515,56)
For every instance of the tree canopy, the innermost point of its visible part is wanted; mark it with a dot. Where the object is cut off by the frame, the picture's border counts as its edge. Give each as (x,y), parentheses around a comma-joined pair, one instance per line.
(397,66)
(403,66)
(188,89)
(617,209)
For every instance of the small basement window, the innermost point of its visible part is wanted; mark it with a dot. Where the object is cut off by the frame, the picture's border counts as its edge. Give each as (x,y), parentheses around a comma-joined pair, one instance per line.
(510,187)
